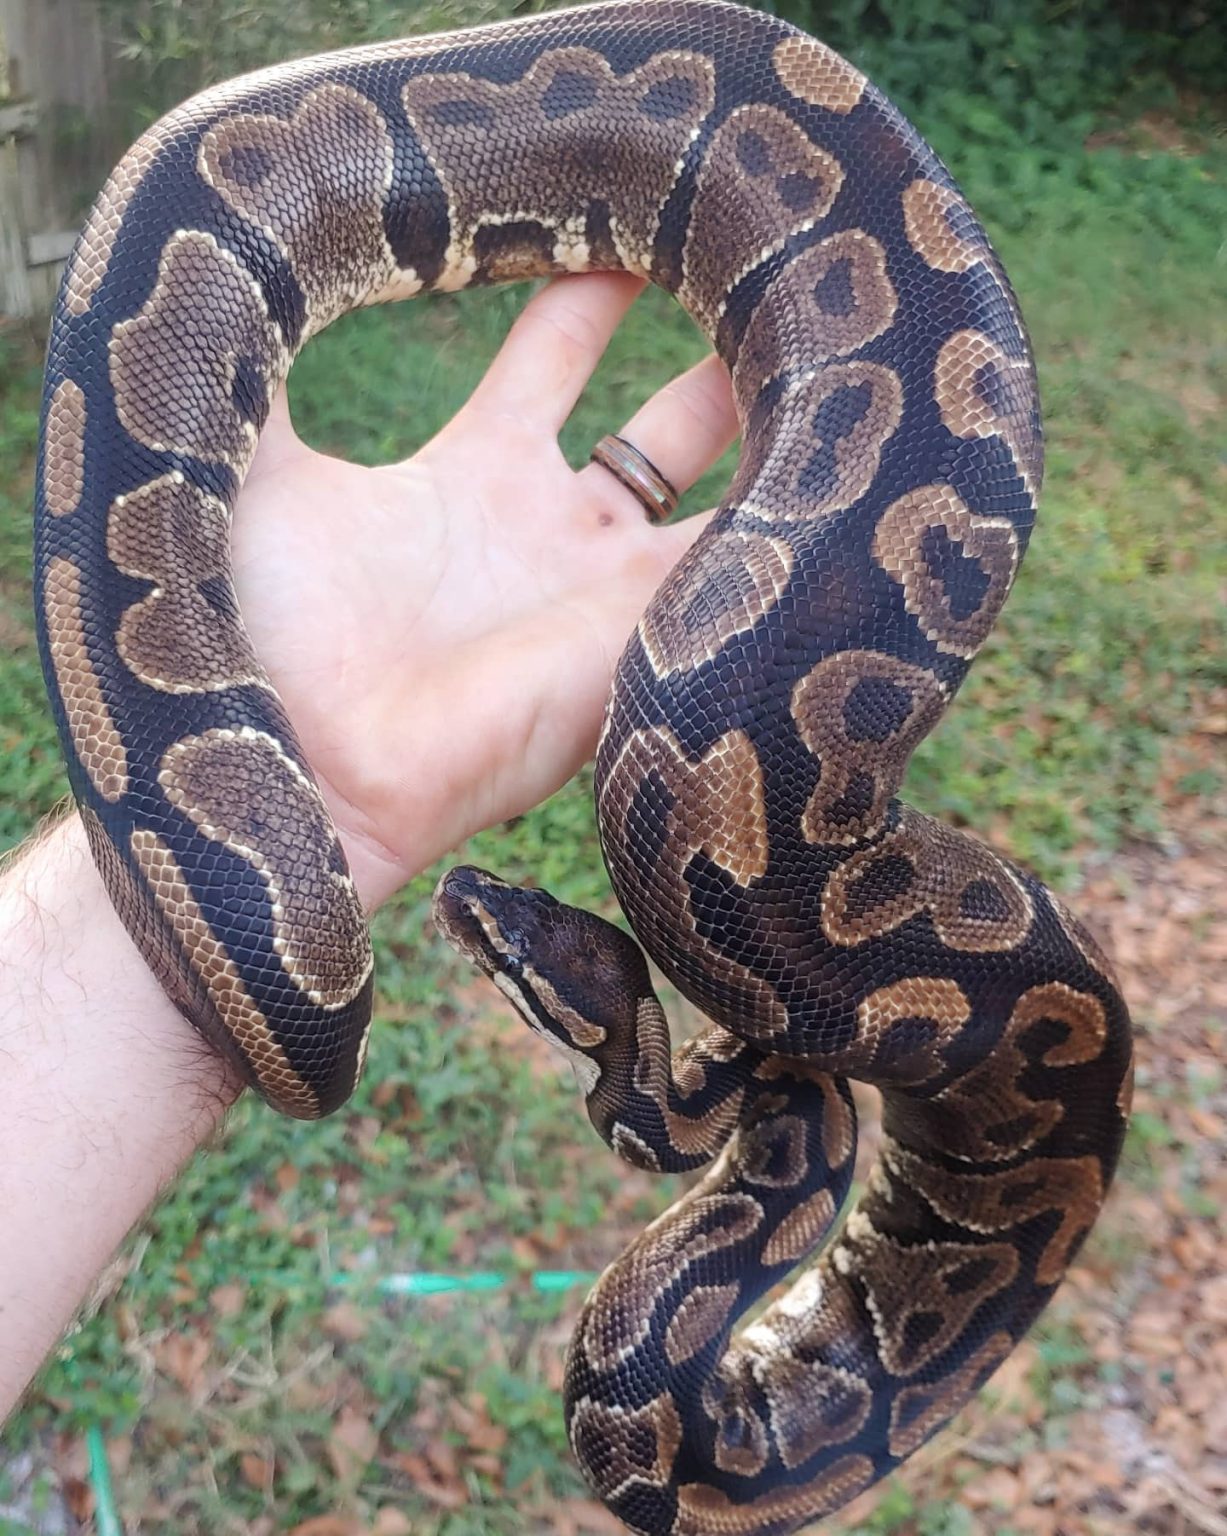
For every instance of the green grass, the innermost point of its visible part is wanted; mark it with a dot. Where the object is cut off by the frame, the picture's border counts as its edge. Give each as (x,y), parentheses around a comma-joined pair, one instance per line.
(457,1153)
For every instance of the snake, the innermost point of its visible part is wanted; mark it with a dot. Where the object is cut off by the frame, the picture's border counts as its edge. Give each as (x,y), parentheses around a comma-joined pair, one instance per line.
(757,731)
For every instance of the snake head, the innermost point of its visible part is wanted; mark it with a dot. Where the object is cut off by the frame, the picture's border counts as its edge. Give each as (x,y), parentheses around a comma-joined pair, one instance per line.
(573,977)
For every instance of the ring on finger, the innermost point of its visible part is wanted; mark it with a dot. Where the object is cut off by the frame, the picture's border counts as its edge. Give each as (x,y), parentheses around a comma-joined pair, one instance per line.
(656,494)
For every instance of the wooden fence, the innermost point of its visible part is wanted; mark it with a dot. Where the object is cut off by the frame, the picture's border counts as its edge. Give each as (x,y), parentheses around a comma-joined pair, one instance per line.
(54,147)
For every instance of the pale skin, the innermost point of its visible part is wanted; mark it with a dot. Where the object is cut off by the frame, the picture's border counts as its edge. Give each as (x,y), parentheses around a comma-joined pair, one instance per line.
(467,607)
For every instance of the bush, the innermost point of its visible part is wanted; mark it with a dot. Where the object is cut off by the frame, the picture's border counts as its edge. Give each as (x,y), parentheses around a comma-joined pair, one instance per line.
(1034,72)
(170,49)
(1037,70)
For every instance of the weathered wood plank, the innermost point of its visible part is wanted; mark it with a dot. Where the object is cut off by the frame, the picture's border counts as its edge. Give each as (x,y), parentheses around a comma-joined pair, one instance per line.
(53,95)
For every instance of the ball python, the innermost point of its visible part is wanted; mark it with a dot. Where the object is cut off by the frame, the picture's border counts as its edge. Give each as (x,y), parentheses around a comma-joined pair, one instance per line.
(757,731)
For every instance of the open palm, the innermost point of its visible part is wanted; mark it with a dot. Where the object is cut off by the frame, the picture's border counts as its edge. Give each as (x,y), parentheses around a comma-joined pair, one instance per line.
(443,631)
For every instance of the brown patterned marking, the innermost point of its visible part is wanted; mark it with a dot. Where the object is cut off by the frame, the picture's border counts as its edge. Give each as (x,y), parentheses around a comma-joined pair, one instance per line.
(316,182)
(986,1116)
(95,736)
(175,377)
(530,150)
(692,1135)
(816,74)
(824,447)
(818,1313)
(1124,1094)
(619,1447)
(712,595)
(64,450)
(892,1019)
(717,809)
(922,1298)
(976,902)
(176,639)
(92,255)
(955,568)
(830,300)
(587,1073)
(941,228)
(982,392)
(239,788)
(838,1126)
(88,265)
(762,180)
(706,1511)
(801,1229)
(690,1058)
(720,810)
(585,1035)
(632,1148)
(772,1153)
(279,1082)
(861,713)
(617,1315)
(838,1117)
(740,1443)
(1080,1014)
(920,1410)
(1068,1187)
(812,1406)
(701,1316)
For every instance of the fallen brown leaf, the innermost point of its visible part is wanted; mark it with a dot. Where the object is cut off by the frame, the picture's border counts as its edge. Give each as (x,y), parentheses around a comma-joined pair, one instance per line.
(352,1444)
(182,1356)
(329,1525)
(392,1522)
(257,1471)
(345,1321)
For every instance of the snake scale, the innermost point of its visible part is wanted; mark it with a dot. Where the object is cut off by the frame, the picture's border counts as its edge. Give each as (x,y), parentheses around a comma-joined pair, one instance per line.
(758,728)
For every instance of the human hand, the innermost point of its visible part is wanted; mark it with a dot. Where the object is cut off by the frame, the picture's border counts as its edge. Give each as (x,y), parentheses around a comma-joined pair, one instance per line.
(443,631)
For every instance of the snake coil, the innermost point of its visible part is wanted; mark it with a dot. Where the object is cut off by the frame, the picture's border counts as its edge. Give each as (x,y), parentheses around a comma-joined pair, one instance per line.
(758,729)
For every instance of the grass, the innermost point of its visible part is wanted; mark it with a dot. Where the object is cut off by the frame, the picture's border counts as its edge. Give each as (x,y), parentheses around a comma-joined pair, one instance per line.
(234,1370)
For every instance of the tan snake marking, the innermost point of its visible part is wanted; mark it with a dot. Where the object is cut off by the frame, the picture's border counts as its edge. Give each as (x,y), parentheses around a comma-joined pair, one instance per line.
(757,733)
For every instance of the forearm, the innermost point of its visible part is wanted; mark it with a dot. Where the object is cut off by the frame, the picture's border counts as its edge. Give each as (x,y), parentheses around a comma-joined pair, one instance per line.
(106,1091)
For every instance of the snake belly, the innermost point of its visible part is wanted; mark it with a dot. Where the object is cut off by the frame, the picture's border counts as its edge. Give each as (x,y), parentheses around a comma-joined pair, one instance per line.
(758,729)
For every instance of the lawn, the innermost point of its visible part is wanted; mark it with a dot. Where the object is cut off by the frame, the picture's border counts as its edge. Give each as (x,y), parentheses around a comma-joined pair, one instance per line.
(244,1359)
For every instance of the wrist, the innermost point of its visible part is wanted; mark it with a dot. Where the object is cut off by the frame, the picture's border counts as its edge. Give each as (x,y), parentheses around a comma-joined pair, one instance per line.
(86,997)
(107,1091)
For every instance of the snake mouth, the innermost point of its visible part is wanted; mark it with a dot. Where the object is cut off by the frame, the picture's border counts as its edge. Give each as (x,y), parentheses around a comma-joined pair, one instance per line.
(494,926)
(465,887)
(492,923)
(460,908)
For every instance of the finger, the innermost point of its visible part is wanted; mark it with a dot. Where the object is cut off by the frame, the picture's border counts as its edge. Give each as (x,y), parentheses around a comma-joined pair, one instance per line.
(684,428)
(553,347)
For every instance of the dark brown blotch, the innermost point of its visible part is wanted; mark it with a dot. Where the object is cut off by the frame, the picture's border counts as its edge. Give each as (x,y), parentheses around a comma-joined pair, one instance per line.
(668,99)
(569,91)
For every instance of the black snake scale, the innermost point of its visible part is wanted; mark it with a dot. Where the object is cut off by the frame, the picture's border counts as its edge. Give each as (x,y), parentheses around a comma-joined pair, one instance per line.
(759,726)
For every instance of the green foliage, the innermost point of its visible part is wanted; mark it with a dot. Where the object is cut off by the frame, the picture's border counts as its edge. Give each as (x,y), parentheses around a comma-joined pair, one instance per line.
(173,48)
(1035,72)
(997,75)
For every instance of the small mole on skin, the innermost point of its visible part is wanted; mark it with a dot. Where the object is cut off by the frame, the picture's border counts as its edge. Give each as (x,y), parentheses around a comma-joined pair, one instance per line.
(605,519)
